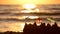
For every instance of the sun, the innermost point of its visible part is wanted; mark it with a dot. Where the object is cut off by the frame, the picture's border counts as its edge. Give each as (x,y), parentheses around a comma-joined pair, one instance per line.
(29,6)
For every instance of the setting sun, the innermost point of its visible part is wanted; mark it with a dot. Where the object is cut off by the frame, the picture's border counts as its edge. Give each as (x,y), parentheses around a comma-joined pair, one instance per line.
(29,6)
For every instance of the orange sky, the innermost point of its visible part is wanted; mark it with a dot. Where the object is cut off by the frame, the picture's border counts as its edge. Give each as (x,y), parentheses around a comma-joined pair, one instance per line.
(30,1)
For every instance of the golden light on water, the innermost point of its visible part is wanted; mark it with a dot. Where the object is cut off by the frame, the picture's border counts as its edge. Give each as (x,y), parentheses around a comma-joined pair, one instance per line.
(18,27)
(31,17)
(30,11)
(27,11)
(22,26)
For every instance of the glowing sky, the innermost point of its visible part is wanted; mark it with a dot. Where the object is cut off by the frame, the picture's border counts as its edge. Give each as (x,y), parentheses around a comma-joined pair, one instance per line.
(30,1)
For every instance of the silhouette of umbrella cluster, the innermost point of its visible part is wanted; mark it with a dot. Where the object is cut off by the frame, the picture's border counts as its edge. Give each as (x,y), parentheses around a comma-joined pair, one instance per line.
(42,29)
